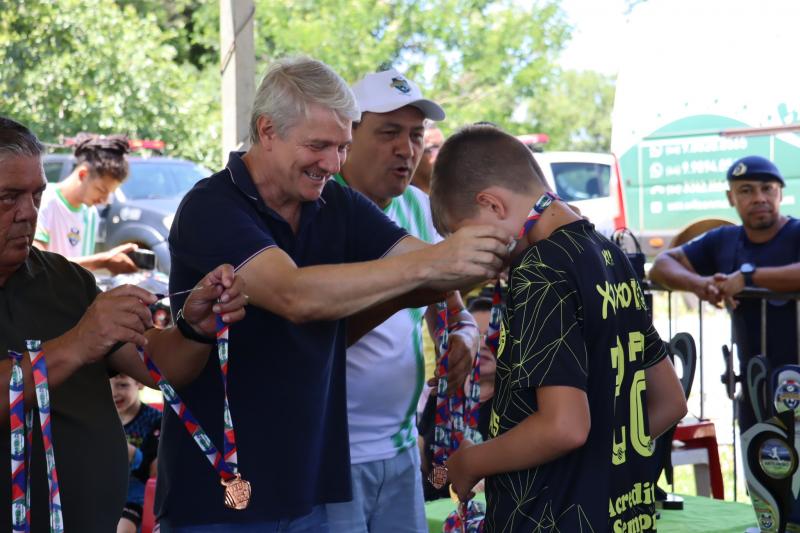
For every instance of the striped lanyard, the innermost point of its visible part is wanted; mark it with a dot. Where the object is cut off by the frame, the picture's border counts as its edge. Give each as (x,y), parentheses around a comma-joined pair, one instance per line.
(237,490)
(456,415)
(495,319)
(535,214)
(21,434)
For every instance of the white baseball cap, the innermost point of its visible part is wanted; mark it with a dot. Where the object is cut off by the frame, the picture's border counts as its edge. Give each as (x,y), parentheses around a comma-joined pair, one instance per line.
(382,92)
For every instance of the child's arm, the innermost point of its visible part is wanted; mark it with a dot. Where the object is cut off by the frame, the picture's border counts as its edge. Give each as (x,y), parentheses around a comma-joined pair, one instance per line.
(559,426)
(666,403)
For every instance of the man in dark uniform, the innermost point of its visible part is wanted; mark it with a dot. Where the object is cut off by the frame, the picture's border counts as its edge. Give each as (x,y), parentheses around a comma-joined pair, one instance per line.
(762,252)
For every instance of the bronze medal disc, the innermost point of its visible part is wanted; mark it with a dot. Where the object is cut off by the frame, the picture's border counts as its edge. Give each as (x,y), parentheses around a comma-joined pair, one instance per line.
(237,493)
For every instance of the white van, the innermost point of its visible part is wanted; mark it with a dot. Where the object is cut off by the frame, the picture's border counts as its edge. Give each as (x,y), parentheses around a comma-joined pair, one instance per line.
(589,181)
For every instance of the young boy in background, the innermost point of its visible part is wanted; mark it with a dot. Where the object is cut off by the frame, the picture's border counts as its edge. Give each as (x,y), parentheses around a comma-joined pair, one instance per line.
(583,382)
(142,425)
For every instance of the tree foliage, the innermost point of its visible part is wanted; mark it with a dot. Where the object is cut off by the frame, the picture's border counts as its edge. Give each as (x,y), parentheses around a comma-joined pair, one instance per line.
(575,111)
(151,68)
(92,65)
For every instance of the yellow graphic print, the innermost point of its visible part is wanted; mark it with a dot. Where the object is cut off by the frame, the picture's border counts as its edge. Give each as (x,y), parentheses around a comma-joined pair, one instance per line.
(543,341)
(501,343)
(544,330)
(639,438)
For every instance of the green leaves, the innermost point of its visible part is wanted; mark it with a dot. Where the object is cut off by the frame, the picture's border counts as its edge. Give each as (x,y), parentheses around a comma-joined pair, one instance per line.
(75,65)
(150,68)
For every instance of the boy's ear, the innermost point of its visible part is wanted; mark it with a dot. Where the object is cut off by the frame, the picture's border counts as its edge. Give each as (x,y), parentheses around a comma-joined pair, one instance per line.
(492,202)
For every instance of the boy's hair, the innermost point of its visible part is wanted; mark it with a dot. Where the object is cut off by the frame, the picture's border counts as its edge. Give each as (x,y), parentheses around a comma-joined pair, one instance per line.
(472,160)
(103,156)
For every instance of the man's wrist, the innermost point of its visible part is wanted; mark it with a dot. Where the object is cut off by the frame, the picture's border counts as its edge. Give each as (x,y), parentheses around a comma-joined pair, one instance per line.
(189,332)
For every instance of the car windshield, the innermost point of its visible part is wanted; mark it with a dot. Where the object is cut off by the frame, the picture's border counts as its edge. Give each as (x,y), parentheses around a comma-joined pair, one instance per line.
(581,181)
(168,179)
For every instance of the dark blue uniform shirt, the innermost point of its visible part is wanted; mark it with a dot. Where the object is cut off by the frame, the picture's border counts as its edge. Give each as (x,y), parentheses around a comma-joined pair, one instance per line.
(725,249)
(286,382)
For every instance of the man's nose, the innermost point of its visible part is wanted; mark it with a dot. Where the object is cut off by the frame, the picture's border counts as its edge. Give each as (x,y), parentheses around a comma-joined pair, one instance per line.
(332,160)
(404,147)
(26,210)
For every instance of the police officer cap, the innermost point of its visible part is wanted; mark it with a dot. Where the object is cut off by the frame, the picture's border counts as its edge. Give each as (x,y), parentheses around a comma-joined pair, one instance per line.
(755,167)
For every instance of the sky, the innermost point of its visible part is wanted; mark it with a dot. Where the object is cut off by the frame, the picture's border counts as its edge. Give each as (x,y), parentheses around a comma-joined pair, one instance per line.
(595,43)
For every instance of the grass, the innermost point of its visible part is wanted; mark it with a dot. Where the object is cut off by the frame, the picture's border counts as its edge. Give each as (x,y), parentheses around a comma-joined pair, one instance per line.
(684,478)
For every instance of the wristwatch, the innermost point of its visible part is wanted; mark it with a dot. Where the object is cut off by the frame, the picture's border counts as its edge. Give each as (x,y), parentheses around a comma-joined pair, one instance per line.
(747,270)
(188,331)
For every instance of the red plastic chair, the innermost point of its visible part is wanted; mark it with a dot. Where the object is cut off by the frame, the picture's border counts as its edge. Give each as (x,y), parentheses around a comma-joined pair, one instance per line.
(700,436)
(148,518)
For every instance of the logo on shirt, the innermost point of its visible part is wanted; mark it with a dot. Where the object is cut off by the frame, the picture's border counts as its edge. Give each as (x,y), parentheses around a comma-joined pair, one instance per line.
(608,258)
(401,85)
(74,236)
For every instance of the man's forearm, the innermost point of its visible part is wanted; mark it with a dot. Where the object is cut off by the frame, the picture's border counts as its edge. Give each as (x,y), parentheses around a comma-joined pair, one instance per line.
(670,273)
(780,279)
(330,292)
(91,262)
(180,360)
(362,323)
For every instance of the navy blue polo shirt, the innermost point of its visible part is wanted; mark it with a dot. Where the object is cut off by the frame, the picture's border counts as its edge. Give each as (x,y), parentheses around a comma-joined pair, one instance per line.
(286,382)
(725,249)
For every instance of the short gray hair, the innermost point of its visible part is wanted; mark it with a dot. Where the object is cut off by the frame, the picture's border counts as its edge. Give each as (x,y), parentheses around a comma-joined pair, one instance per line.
(291,84)
(17,140)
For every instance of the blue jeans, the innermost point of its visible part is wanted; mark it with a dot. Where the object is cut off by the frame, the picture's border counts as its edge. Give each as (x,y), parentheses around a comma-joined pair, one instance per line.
(314,522)
(387,498)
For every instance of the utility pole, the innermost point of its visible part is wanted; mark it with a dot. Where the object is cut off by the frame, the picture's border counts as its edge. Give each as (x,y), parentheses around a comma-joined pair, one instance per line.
(237,68)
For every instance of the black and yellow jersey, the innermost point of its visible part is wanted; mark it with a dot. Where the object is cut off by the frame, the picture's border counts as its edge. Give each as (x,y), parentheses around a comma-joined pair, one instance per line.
(576,317)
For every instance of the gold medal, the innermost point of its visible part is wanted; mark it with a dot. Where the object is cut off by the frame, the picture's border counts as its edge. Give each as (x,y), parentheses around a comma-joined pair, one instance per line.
(438,476)
(237,492)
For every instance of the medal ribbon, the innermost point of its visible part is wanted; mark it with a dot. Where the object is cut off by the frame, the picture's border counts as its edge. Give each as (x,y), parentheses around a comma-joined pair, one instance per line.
(535,214)
(22,431)
(456,415)
(227,465)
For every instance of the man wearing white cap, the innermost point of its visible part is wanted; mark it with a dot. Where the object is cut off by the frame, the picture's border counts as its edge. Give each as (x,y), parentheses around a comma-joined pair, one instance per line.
(385,367)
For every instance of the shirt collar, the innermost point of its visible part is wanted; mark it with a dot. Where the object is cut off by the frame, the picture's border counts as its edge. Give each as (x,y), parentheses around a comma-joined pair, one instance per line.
(240,176)
(27,270)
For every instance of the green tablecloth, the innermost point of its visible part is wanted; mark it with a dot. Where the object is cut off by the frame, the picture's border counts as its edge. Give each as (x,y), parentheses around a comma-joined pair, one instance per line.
(699,515)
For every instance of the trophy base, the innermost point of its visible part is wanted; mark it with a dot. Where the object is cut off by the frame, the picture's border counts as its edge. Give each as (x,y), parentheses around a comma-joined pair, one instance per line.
(670,503)
(752,530)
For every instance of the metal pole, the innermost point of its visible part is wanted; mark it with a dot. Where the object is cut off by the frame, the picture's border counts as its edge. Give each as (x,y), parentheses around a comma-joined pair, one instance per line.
(733,412)
(764,327)
(702,386)
(797,311)
(669,313)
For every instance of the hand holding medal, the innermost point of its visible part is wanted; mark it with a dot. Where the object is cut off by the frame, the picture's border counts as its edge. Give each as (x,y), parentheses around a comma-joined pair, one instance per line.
(219,301)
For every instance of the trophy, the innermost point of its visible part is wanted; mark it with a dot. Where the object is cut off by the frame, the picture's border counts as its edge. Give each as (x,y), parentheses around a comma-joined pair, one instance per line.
(770,446)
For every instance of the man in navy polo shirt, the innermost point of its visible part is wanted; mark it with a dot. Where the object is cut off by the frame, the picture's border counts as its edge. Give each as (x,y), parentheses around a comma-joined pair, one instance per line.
(763,252)
(311,253)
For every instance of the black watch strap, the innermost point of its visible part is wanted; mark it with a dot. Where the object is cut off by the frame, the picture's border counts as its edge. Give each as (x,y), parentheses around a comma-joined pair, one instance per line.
(188,331)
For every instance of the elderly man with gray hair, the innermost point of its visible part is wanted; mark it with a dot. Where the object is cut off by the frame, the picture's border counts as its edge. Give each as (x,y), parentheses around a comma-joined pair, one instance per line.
(312,253)
(85,335)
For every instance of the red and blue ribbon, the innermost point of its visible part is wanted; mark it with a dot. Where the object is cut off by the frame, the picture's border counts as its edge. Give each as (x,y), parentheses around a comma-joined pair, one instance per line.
(535,214)
(21,436)
(226,465)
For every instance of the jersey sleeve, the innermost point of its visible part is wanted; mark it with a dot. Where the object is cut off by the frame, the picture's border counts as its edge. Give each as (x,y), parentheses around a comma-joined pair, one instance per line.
(546,323)
(654,348)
